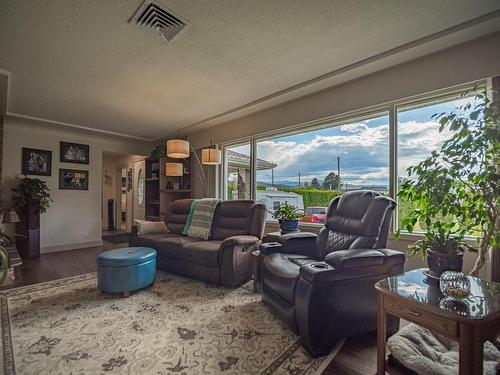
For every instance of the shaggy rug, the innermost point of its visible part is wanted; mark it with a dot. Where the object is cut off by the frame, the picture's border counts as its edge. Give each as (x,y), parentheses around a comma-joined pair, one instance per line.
(178,326)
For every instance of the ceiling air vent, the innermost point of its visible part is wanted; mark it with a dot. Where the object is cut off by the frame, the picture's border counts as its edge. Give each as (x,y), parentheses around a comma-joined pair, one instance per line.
(154,15)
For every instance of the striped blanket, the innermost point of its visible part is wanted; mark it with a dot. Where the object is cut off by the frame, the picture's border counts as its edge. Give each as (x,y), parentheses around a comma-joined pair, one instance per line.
(201,215)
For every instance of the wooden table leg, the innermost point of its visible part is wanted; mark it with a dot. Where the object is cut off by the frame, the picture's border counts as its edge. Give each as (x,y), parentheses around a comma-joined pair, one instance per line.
(470,350)
(381,335)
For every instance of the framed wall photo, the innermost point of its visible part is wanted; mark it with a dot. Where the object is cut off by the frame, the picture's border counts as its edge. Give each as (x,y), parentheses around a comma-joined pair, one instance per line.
(36,162)
(72,179)
(74,153)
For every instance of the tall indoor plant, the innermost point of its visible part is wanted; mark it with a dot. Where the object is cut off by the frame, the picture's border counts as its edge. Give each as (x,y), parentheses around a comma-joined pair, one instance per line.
(456,190)
(31,198)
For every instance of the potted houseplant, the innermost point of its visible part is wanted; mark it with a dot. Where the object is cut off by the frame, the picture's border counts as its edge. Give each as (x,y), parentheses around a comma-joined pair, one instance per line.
(456,190)
(288,217)
(158,152)
(31,198)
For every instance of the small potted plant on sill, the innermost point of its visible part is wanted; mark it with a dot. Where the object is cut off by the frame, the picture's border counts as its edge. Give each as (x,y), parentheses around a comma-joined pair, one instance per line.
(456,190)
(288,217)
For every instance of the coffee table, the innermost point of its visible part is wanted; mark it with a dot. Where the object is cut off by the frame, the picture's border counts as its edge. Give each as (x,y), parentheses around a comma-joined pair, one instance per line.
(470,322)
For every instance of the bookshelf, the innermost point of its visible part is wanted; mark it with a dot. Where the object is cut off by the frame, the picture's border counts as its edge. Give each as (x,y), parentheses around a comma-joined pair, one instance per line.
(161,190)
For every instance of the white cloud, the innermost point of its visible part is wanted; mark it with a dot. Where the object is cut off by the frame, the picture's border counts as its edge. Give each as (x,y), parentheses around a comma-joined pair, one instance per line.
(364,152)
(354,128)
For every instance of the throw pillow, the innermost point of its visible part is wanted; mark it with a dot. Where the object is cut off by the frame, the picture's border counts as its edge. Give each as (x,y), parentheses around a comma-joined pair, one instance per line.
(150,227)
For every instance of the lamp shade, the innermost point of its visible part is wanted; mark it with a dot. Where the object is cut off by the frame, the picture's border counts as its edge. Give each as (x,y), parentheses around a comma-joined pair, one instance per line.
(178,148)
(174,169)
(211,156)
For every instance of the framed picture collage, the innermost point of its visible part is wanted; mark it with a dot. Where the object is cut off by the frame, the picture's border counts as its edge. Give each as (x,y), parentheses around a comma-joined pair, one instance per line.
(37,162)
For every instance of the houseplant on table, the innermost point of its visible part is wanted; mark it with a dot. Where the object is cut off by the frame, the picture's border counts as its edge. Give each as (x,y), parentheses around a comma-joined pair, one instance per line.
(288,216)
(31,198)
(456,190)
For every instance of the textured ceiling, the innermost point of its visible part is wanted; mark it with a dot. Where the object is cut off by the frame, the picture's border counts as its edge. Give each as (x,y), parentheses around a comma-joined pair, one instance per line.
(81,62)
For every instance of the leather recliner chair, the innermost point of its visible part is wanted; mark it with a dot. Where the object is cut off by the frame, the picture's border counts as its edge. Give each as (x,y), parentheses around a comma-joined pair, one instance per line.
(323,287)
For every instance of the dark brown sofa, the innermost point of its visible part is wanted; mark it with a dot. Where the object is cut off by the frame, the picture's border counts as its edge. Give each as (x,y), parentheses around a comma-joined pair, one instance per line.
(225,258)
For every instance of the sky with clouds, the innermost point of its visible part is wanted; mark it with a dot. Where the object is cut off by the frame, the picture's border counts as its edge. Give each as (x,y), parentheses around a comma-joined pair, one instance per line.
(363,148)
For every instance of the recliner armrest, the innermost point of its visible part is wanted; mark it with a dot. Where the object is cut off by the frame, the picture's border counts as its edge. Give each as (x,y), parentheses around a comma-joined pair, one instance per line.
(239,241)
(301,243)
(344,265)
(353,258)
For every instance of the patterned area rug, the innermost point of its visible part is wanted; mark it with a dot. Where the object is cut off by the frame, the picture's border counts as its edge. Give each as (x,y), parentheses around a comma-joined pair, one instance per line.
(178,326)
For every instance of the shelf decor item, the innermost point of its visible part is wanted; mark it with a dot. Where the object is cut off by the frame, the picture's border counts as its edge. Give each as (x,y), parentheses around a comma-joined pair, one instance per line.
(454,284)
(74,153)
(36,162)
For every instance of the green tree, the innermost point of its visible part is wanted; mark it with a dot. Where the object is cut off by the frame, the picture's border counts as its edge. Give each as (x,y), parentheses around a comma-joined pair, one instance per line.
(331,182)
(315,183)
(456,190)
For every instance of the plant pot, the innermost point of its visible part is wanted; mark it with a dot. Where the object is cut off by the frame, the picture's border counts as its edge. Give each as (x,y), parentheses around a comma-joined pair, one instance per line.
(440,262)
(288,226)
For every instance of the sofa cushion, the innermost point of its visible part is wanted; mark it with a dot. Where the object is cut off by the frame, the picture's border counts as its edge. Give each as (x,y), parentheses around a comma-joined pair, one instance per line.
(173,246)
(233,218)
(205,253)
(150,227)
(179,211)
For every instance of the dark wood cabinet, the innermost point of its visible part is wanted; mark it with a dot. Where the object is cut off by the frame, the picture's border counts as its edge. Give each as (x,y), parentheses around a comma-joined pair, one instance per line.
(28,230)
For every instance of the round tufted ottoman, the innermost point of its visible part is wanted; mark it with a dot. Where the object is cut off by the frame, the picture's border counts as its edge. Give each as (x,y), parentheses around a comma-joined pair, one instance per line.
(125,270)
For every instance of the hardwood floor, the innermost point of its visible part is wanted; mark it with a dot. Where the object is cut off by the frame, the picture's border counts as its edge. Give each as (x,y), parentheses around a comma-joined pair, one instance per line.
(57,265)
(358,355)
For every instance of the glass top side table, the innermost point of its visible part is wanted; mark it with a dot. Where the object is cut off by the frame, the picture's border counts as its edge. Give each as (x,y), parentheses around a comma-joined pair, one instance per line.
(470,321)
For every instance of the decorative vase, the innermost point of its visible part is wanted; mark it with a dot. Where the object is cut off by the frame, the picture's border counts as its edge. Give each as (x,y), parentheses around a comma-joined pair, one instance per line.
(288,226)
(454,284)
(439,262)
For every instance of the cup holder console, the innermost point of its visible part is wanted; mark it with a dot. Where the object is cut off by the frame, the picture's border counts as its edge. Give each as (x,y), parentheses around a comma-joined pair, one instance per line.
(319,266)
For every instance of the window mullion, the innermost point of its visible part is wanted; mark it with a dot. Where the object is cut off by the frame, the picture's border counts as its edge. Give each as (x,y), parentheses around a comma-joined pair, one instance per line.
(393,160)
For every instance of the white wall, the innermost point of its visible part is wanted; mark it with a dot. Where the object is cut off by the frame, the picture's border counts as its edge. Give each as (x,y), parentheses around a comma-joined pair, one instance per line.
(454,66)
(75,217)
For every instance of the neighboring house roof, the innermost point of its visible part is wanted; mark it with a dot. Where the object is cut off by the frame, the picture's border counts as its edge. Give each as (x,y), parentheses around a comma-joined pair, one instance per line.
(238,160)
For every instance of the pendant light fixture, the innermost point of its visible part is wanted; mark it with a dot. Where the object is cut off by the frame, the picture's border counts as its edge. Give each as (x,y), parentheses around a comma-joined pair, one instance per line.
(211,156)
(174,169)
(177,148)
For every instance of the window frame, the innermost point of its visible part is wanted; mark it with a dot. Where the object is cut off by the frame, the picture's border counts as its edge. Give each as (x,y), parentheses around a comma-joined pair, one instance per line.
(389,108)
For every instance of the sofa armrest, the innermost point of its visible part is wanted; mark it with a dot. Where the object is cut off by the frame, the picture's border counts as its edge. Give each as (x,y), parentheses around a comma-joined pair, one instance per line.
(235,259)
(239,241)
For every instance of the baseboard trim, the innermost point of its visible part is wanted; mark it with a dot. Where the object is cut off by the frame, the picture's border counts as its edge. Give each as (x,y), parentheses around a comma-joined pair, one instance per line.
(71,246)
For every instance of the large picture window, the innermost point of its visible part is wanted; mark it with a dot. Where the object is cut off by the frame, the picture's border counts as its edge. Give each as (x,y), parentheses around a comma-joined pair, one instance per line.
(310,166)
(419,136)
(308,169)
